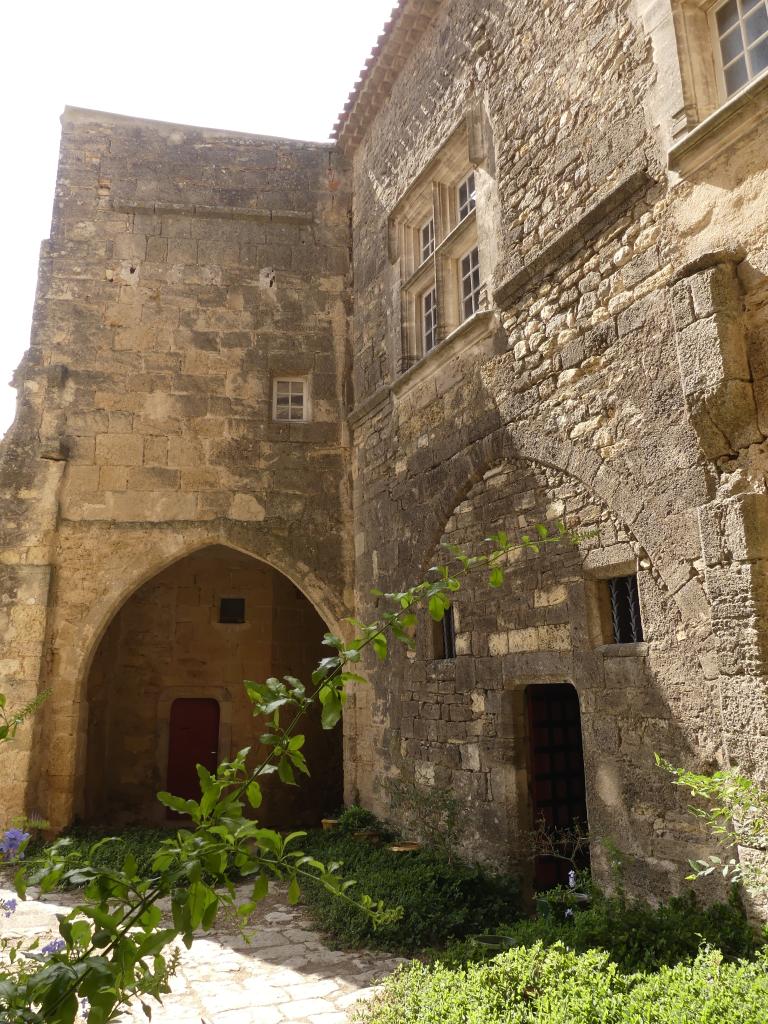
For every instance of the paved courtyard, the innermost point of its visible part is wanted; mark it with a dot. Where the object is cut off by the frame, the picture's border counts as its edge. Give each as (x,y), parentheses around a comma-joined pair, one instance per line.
(287,975)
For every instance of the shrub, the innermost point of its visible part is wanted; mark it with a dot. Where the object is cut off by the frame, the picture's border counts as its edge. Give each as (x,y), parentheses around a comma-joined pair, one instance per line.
(355,819)
(635,935)
(141,843)
(440,898)
(554,985)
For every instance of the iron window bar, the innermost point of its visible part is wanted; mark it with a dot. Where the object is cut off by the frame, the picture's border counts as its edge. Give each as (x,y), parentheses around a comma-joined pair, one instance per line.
(625,610)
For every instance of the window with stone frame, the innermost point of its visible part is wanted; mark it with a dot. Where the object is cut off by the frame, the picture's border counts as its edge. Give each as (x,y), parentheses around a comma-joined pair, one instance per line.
(441,259)
(713,54)
(740,33)
(290,399)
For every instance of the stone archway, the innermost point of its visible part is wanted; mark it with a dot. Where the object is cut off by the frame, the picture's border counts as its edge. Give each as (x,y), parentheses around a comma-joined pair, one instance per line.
(193,632)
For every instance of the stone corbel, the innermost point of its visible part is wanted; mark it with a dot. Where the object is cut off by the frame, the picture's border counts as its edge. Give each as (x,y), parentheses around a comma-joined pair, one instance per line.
(711,343)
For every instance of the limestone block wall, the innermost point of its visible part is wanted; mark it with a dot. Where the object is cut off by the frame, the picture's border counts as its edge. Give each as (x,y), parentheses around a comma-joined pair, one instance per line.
(621,380)
(167,642)
(186,269)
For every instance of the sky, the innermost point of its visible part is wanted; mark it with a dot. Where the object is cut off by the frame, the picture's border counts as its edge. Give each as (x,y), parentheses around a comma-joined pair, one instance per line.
(272,67)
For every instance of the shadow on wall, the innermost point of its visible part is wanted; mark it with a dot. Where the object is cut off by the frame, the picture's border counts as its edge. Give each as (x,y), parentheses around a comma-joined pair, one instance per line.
(165,690)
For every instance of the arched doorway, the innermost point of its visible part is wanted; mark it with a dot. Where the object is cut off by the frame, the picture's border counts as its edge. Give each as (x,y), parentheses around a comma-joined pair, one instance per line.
(166,688)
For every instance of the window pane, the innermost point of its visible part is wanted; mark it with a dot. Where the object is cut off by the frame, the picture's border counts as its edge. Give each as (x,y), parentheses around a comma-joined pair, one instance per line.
(727,16)
(748,5)
(731,45)
(758,57)
(282,400)
(756,25)
(283,387)
(736,76)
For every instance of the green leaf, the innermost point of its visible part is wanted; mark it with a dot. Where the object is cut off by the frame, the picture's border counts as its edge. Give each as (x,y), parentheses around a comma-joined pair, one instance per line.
(331,705)
(285,772)
(437,607)
(379,644)
(253,794)
(496,577)
(294,892)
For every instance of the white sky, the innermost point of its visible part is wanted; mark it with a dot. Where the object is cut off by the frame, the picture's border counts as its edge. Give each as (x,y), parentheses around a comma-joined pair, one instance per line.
(273,67)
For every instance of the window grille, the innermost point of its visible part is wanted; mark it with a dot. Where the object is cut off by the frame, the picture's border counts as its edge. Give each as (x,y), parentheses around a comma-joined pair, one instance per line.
(429,319)
(445,636)
(467,196)
(428,239)
(470,283)
(232,610)
(290,400)
(741,27)
(625,610)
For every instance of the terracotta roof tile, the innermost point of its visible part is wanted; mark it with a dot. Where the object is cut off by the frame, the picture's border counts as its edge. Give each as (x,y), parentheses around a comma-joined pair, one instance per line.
(407,23)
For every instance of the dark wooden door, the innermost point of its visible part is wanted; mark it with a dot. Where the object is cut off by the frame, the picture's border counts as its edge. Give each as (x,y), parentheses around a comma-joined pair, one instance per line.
(193,739)
(558,795)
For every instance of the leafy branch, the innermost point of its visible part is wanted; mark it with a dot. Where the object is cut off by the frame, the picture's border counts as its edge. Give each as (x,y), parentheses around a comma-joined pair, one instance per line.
(115,940)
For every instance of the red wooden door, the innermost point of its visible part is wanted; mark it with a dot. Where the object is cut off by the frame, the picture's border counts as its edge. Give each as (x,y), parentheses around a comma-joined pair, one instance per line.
(193,739)
(558,795)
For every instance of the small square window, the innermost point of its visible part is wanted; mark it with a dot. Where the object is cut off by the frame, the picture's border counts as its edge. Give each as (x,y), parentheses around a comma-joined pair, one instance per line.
(467,196)
(427,237)
(444,637)
(232,610)
(625,610)
(290,400)
(470,283)
(741,30)
(429,319)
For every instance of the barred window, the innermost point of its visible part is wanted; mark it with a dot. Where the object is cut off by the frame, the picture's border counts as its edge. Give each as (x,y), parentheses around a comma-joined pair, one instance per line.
(467,196)
(741,30)
(470,283)
(625,610)
(429,319)
(290,400)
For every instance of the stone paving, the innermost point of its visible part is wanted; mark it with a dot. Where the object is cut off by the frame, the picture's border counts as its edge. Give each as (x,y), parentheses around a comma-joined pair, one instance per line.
(287,975)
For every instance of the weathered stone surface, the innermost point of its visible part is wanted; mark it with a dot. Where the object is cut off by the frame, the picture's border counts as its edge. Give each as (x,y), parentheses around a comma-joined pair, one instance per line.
(617,381)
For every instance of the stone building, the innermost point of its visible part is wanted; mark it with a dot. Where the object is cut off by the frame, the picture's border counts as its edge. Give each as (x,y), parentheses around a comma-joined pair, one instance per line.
(526,282)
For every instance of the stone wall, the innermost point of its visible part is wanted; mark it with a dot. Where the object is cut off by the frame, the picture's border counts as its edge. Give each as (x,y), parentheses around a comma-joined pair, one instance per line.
(186,268)
(167,642)
(619,386)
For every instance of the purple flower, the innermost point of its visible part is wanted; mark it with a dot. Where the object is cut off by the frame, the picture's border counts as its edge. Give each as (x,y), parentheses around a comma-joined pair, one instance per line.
(568,912)
(572,879)
(85,1008)
(8,907)
(11,842)
(54,946)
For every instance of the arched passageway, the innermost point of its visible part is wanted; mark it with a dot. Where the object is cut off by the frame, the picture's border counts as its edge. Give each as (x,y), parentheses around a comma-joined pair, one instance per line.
(165,690)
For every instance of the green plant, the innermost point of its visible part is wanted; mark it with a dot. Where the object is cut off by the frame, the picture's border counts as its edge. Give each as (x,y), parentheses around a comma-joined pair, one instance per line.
(427,813)
(438,898)
(635,935)
(554,985)
(113,945)
(735,810)
(105,849)
(356,819)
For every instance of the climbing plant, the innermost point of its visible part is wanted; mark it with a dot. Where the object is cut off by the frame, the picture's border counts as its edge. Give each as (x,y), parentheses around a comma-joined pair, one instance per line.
(115,945)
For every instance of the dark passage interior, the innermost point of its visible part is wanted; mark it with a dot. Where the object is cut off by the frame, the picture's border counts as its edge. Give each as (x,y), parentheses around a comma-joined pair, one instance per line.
(166,690)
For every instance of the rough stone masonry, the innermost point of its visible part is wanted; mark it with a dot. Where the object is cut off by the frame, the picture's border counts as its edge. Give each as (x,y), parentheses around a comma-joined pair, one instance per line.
(611,370)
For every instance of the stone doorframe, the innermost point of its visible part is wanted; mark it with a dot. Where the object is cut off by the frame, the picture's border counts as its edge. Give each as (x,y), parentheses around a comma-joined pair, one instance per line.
(221,695)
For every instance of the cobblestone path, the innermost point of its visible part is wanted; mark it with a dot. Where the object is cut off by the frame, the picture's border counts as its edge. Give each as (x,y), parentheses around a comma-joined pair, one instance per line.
(287,975)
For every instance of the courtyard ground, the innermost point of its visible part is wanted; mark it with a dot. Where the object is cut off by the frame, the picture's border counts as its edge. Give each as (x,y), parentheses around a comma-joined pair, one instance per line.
(286,975)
